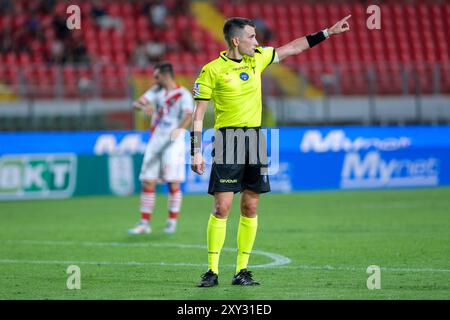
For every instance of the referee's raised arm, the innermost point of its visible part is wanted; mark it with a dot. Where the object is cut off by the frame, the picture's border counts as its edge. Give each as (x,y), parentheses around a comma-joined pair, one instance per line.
(301,44)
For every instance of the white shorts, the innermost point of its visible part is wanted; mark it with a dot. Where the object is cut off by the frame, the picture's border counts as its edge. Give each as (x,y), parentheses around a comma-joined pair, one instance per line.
(164,160)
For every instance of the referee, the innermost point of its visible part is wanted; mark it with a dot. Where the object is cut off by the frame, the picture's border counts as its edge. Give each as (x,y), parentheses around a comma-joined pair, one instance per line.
(233,82)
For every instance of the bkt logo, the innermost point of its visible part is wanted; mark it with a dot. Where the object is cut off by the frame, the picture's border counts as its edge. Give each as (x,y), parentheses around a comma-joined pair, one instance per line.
(336,141)
(37,176)
(371,171)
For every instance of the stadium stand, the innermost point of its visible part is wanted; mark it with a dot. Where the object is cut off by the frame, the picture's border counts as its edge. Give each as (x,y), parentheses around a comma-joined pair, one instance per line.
(41,59)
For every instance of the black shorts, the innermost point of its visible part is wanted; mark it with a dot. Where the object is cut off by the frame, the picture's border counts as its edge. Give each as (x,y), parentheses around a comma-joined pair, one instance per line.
(240,161)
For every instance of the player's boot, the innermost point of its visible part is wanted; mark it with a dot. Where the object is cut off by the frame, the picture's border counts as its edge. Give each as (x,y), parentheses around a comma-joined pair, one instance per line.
(208,279)
(171,226)
(141,228)
(244,278)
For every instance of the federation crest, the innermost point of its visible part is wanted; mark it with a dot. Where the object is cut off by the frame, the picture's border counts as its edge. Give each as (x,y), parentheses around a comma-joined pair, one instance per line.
(244,76)
(196,89)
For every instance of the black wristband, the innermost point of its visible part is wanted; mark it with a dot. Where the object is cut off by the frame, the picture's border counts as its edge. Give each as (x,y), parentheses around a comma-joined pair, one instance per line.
(316,38)
(196,142)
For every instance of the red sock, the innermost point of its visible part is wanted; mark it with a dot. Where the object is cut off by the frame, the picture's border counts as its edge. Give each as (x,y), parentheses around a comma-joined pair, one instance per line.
(147,203)
(174,203)
(173,215)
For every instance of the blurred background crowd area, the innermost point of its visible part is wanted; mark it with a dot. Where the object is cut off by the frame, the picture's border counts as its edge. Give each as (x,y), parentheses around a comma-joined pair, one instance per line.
(110,59)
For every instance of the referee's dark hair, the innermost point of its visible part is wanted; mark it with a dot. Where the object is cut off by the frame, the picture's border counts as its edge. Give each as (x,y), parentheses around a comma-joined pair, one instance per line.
(165,67)
(233,26)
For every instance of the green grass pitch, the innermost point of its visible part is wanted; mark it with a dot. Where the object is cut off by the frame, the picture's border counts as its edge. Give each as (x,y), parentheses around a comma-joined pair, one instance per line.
(309,246)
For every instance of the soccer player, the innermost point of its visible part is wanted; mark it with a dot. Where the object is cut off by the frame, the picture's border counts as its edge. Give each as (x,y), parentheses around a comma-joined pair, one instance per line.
(171,107)
(233,82)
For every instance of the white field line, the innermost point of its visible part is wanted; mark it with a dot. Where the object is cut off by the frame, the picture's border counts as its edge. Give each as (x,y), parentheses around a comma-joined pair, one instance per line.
(352,268)
(279,261)
(182,264)
(100,263)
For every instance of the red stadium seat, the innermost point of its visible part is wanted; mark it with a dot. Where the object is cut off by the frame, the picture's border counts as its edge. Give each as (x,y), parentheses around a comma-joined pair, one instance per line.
(411,33)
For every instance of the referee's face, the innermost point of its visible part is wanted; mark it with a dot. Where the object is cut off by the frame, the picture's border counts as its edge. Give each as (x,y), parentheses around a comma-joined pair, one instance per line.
(247,41)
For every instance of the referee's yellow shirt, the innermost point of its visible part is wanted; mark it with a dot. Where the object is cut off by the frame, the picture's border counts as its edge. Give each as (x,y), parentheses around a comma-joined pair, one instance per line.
(235,88)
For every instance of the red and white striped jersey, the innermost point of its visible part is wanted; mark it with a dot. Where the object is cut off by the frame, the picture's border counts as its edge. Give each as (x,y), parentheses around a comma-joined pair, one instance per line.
(170,106)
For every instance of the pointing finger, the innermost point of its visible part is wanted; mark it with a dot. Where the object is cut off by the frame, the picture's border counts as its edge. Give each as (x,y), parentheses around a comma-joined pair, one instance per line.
(346,18)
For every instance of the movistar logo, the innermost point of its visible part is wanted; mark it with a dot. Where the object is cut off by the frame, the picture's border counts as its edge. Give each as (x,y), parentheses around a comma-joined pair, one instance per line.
(228,180)
(129,144)
(337,140)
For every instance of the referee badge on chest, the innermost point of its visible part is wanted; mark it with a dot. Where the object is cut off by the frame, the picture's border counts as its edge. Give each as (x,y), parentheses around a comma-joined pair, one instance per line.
(244,76)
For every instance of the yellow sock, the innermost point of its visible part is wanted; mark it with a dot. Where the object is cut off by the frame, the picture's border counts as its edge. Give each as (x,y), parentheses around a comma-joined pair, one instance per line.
(215,238)
(245,239)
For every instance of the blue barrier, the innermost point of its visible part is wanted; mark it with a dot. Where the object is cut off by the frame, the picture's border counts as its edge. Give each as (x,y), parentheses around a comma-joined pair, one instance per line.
(308,158)
(81,143)
(366,157)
